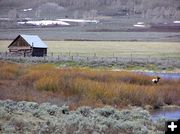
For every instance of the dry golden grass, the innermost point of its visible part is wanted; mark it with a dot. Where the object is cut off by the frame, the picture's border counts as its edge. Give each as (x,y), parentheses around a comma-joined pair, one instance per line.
(9,70)
(89,87)
(47,83)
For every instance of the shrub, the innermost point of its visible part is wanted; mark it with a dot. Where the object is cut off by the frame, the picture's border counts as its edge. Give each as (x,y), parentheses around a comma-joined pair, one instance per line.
(47,83)
(9,70)
(35,72)
(86,86)
(30,77)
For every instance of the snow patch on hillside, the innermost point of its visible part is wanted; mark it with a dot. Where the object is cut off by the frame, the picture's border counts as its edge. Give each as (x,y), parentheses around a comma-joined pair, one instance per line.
(28,9)
(140,24)
(63,22)
(178,22)
(78,20)
(45,23)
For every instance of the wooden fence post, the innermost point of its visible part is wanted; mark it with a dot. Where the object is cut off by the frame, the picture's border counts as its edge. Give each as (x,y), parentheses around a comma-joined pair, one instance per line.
(148,58)
(94,54)
(116,59)
(72,58)
(168,59)
(6,54)
(102,59)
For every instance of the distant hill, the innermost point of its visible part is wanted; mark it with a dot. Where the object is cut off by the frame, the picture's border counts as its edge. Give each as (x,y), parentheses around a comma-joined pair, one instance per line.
(91,8)
(155,11)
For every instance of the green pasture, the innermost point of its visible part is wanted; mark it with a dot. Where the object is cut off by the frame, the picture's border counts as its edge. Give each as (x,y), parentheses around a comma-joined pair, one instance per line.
(109,48)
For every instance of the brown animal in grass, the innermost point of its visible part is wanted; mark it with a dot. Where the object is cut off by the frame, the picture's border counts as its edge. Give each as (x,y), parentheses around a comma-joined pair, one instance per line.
(156,80)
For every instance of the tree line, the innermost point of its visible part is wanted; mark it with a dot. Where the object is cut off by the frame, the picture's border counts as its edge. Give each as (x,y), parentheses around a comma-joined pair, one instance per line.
(153,9)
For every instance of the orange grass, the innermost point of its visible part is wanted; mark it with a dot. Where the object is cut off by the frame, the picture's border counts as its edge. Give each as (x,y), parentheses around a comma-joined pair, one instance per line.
(91,87)
(47,83)
(9,70)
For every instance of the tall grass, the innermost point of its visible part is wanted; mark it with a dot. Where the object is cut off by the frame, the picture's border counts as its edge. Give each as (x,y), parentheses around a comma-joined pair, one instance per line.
(99,87)
(9,70)
(47,83)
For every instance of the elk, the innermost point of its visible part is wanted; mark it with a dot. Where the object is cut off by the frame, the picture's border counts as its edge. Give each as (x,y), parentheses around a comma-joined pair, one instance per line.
(156,80)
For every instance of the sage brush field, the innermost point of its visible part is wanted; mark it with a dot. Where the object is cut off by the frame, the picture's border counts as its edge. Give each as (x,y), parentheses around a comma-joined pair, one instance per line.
(45,118)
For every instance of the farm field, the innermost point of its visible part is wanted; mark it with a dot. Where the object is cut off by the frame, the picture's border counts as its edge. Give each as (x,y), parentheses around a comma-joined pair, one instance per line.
(109,48)
(155,56)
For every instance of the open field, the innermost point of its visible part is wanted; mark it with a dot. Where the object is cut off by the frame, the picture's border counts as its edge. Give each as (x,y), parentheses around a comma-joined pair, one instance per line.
(81,86)
(156,56)
(4,45)
(82,33)
(109,48)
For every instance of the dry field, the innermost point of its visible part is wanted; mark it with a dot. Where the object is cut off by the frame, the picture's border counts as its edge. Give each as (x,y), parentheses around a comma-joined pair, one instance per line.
(82,86)
(109,48)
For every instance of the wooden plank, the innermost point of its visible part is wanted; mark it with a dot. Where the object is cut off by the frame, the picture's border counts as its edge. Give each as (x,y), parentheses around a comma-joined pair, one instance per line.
(19,48)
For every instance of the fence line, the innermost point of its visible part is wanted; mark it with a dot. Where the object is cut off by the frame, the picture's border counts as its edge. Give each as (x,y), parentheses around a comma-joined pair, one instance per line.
(94,59)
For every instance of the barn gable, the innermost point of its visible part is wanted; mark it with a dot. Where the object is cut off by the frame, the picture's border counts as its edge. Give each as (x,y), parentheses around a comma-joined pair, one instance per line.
(28,45)
(19,42)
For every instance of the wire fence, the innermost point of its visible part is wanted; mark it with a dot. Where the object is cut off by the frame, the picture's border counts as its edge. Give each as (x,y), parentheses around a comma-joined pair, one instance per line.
(95,59)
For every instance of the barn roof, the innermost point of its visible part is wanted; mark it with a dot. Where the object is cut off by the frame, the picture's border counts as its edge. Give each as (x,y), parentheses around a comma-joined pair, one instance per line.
(34,41)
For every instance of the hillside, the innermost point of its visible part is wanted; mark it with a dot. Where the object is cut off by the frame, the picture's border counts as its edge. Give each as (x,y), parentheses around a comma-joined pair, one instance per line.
(116,11)
(165,9)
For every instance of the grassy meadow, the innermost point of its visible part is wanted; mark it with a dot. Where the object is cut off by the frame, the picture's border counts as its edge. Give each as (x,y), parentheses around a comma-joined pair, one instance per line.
(4,45)
(83,86)
(109,48)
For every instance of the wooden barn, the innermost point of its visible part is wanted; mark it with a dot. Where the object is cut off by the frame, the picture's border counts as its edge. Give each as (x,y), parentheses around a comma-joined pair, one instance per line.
(28,45)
